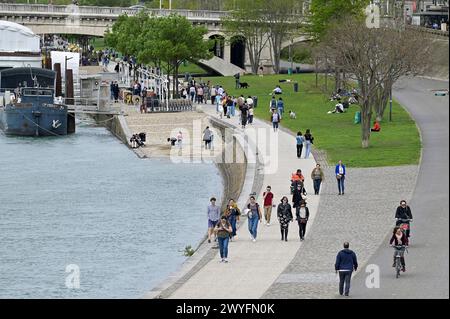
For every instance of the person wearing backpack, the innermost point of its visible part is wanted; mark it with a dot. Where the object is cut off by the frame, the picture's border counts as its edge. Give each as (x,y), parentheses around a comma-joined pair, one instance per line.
(280,106)
(254,216)
(273,104)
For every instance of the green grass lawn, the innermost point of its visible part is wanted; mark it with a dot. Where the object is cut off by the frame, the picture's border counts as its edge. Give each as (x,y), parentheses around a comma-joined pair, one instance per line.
(398,143)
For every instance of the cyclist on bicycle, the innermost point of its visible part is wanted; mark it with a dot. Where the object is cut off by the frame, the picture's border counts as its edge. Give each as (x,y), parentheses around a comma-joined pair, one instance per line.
(399,239)
(403,215)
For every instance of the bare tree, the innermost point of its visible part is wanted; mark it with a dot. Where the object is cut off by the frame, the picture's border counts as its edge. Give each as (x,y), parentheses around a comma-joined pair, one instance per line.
(246,20)
(375,58)
(282,23)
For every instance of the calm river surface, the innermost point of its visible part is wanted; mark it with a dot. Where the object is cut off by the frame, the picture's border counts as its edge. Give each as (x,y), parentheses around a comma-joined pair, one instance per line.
(87,200)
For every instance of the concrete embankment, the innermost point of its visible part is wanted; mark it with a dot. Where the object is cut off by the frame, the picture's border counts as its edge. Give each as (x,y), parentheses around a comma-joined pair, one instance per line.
(239,177)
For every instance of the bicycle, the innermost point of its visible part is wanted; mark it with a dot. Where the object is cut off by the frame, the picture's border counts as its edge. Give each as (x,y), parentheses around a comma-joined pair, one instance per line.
(399,253)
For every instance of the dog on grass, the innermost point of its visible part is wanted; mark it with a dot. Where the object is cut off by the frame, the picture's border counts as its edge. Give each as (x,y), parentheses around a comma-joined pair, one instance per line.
(292,115)
(244,85)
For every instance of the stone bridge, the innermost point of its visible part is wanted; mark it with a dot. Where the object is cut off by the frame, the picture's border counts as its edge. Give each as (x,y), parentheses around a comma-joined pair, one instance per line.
(230,56)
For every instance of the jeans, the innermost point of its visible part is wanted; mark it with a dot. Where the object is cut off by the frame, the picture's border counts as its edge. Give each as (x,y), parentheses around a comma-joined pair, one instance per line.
(253,226)
(281,111)
(299,150)
(344,280)
(340,182)
(223,246)
(232,220)
(192,97)
(275,125)
(317,183)
(308,149)
(232,110)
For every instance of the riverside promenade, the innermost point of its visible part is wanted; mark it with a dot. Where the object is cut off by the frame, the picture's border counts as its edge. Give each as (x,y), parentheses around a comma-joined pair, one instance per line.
(254,266)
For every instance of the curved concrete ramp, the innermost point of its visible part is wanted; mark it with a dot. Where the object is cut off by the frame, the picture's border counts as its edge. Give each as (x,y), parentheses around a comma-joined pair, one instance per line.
(220,66)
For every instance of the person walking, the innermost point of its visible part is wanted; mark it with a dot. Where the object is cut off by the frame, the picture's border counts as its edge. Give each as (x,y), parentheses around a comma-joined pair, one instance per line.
(207,137)
(309,140)
(346,262)
(276,118)
(268,204)
(254,216)
(213,213)
(300,140)
(250,115)
(317,176)
(244,115)
(302,214)
(403,215)
(223,230)
(340,176)
(232,214)
(284,214)
(298,193)
(280,106)
(180,139)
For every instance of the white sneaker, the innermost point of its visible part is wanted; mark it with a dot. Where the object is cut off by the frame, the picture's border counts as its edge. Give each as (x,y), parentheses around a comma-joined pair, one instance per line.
(268,224)
(254,240)
(225,260)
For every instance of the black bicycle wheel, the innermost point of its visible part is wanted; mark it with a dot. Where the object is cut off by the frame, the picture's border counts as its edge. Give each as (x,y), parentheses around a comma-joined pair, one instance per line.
(397,267)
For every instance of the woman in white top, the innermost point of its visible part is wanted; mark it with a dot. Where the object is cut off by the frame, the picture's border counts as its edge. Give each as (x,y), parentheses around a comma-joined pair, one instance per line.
(302,214)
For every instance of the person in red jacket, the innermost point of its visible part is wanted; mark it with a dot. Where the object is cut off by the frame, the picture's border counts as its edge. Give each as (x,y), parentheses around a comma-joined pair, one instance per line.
(376,127)
(399,238)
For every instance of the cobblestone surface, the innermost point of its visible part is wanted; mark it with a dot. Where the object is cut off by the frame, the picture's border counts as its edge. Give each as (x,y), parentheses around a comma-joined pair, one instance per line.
(363,216)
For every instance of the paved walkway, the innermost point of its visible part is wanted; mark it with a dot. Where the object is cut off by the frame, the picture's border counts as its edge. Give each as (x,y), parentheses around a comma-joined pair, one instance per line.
(253,267)
(428,260)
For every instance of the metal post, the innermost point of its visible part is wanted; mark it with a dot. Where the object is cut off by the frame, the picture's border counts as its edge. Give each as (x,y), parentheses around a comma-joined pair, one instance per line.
(390,104)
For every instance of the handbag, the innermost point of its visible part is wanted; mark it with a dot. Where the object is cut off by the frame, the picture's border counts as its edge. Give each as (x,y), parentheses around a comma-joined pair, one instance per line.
(302,220)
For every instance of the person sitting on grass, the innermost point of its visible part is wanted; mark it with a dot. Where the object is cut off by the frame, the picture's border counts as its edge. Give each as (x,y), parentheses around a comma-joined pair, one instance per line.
(277,90)
(376,127)
(339,108)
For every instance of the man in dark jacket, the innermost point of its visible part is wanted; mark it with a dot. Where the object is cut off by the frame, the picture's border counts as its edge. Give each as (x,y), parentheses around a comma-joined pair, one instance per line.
(346,262)
(403,212)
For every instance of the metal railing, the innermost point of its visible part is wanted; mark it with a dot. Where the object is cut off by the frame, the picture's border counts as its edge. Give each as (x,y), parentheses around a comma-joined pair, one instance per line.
(113,12)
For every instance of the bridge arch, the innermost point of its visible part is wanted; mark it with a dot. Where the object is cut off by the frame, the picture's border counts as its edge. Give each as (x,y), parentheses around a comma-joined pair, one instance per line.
(303,38)
(237,54)
(218,47)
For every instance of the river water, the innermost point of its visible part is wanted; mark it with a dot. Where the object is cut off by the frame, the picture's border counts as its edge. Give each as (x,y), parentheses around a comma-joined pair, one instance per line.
(88,201)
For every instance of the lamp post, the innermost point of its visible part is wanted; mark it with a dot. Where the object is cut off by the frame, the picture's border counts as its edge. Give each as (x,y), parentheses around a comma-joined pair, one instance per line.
(390,104)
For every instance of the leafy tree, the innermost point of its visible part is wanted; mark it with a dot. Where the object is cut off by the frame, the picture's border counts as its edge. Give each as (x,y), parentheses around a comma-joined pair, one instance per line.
(167,41)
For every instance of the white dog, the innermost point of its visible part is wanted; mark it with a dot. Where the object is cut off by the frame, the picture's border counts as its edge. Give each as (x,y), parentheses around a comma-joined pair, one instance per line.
(292,115)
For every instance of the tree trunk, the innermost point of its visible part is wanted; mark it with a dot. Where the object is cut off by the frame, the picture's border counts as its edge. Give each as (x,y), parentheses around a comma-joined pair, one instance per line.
(366,115)
(317,72)
(337,78)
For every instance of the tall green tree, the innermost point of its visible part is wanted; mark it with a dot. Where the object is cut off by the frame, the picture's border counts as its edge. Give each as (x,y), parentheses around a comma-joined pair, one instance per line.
(161,41)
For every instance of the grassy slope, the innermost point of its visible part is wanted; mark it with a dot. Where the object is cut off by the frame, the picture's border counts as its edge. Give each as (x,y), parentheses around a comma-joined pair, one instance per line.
(398,143)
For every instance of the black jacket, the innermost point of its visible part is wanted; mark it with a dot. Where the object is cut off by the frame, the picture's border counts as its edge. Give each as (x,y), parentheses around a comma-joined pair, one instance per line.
(297,212)
(403,213)
(284,211)
(297,197)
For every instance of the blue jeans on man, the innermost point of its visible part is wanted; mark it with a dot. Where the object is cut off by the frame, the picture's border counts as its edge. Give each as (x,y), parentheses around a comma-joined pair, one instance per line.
(253,225)
(223,246)
(344,282)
